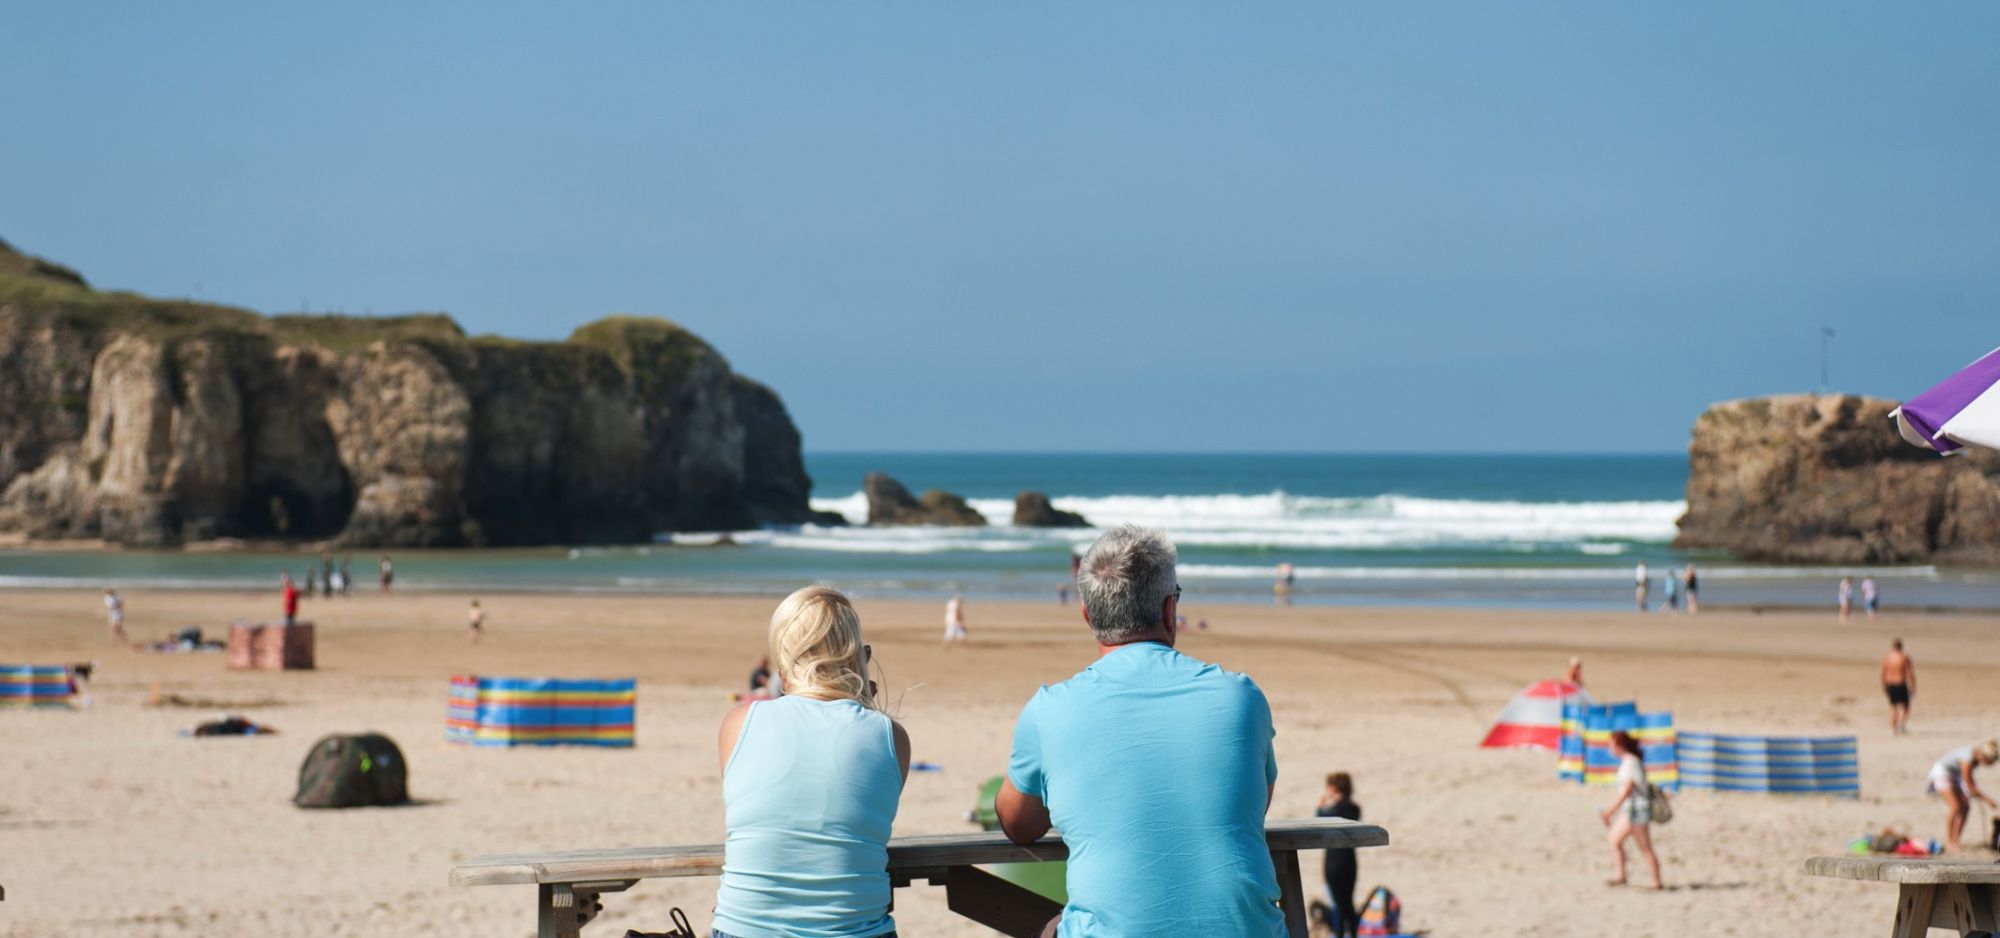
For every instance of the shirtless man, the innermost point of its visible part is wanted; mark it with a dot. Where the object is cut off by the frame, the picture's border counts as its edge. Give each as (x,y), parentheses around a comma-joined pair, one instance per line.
(1899,681)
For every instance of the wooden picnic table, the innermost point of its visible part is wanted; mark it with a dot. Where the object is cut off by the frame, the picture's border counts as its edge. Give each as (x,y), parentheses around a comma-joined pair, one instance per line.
(1933,893)
(568,883)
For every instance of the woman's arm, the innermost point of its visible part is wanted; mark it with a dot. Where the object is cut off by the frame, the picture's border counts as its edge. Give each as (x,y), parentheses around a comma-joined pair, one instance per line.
(1971,787)
(1624,792)
(732,727)
(902,740)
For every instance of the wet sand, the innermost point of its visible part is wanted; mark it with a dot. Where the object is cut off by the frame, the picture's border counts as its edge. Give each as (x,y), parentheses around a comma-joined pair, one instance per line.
(112,824)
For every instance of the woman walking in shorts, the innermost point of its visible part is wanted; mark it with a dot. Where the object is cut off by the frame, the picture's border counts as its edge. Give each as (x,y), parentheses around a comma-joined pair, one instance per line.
(1631,816)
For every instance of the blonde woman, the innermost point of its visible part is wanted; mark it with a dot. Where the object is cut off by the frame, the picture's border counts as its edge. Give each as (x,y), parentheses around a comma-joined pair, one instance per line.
(810,785)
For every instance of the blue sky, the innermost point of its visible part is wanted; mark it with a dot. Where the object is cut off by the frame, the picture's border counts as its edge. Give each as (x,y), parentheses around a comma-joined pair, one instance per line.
(1399,227)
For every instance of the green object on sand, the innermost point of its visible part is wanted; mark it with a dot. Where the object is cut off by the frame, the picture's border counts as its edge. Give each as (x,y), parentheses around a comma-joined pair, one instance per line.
(1045,879)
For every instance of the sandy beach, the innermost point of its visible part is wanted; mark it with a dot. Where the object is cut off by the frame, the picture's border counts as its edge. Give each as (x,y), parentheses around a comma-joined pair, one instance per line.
(112,824)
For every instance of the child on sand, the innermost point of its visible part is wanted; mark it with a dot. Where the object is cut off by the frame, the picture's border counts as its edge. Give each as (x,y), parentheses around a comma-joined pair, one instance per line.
(1338,801)
(114,611)
(954,620)
(475,620)
(1846,597)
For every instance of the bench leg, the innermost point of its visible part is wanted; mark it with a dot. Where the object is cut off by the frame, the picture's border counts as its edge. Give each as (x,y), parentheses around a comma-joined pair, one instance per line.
(998,904)
(1913,910)
(1286,863)
(555,912)
(1970,910)
(562,909)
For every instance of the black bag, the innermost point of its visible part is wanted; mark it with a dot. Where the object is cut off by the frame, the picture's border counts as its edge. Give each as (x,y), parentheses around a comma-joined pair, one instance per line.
(353,771)
(681,929)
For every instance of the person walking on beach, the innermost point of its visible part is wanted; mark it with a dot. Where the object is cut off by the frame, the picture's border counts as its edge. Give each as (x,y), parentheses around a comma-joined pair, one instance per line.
(1871,598)
(1157,767)
(1691,587)
(1630,817)
(954,620)
(475,621)
(810,785)
(288,594)
(1575,673)
(385,573)
(1846,597)
(1951,779)
(1338,801)
(1282,587)
(1899,681)
(114,614)
(326,572)
(1672,583)
(1643,583)
(346,573)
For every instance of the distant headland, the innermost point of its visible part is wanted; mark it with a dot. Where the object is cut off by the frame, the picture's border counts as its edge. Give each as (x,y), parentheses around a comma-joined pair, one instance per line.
(1825,479)
(152,422)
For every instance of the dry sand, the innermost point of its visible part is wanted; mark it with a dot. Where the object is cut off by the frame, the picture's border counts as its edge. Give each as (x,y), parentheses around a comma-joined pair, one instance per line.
(111,824)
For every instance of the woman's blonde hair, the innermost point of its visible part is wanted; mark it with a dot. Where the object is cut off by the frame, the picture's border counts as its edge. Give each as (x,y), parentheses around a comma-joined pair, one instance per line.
(816,647)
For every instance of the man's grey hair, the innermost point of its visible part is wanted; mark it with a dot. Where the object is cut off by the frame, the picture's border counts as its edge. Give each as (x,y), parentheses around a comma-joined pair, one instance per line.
(1124,580)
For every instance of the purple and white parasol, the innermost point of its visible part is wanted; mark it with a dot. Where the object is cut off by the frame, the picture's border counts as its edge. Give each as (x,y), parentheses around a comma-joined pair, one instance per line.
(1961,410)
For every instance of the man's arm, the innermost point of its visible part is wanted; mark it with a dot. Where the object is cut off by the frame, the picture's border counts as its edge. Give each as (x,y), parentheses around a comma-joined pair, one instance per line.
(1910,674)
(1024,818)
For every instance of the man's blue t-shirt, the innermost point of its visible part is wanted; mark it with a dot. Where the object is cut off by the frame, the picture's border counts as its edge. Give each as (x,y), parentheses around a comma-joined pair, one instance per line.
(1157,769)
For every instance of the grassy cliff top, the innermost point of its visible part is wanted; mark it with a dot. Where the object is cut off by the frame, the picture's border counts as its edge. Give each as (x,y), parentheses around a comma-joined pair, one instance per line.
(40,288)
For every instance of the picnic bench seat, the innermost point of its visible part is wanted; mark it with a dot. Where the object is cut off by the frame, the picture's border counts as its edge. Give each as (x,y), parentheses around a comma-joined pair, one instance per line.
(1933,893)
(568,883)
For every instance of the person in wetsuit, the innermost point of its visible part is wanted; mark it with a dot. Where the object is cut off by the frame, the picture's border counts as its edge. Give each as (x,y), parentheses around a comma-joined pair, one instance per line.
(1338,801)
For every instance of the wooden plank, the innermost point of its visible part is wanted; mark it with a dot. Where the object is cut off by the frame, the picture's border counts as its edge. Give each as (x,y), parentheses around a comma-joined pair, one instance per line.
(1905,870)
(1913,911)
(998,904)
(928,851)
(1967,909)
(1292,892)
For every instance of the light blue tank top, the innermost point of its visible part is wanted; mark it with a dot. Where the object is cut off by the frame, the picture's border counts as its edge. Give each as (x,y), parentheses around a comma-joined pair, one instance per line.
(809,794)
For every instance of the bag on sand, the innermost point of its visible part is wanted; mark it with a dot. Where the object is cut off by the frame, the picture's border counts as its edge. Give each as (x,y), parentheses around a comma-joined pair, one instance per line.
(1381,914)
(1663,809)
(352,771)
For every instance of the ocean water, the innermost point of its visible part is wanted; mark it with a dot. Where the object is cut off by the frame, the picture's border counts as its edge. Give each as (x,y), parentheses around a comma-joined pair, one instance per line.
(1490,530)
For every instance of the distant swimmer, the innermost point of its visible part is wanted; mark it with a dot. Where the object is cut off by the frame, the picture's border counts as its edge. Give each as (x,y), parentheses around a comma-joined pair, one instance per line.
(954,620)
(1951,779)
(1871,597)
(1899,681)
(114,613)
(1643,582)
(1846,597)
(1691,588)
(1282,587)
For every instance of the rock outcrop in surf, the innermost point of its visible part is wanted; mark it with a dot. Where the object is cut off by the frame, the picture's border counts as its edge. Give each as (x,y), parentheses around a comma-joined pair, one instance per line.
(1826,479)
(889,503)
(152,422)
(1033,510)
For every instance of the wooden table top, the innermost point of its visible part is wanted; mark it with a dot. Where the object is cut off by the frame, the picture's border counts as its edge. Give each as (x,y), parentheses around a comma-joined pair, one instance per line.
(1918,870)
(929,851)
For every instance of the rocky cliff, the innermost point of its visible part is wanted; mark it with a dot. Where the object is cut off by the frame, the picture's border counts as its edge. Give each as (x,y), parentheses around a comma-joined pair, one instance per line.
(1826,479)
(157,422)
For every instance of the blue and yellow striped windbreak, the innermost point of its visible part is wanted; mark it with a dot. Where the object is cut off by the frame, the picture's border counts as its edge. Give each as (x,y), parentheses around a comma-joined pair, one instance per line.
(516,711)
(1787,765)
